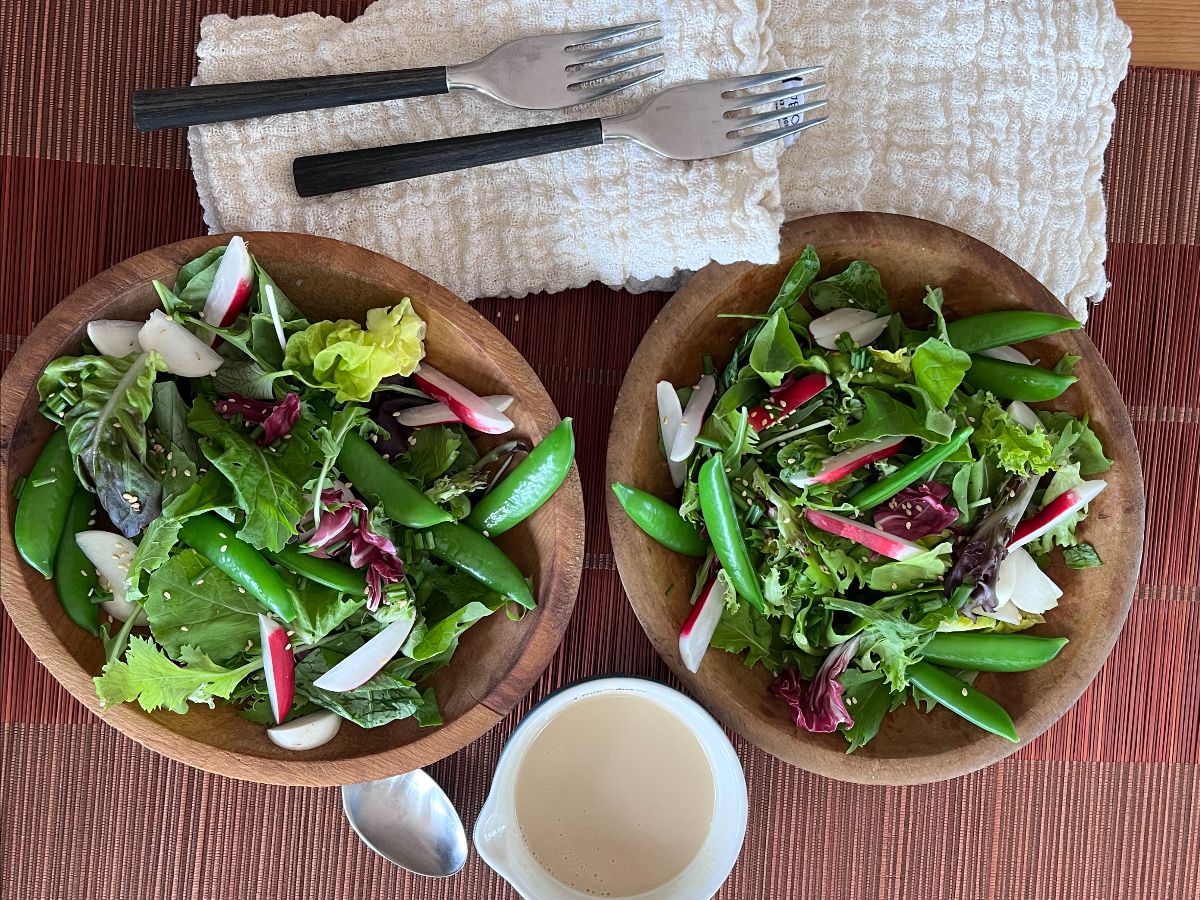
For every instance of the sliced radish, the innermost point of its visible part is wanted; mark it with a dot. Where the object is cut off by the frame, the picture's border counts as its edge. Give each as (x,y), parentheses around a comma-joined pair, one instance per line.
(1023,584)
(1046,518)
(1005,612)
(700,624)
(279,664)
(360,666)
(787,401)
(114,337)
(838,467)
(183,352)
(862,326)
(231,286)
(670,414)
(693,419)
(306,732)
(1023,415)
(440,414)
(872,538)
(1008,354)
(111,554)
(469,407)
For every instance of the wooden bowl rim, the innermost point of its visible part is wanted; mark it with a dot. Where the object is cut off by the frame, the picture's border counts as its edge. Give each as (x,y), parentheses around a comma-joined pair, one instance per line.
(645,370)
(556,601)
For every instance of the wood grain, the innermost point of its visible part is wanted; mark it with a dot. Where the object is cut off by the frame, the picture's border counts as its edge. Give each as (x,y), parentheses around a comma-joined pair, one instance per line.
(1165,32)
(911,748)
(498,660)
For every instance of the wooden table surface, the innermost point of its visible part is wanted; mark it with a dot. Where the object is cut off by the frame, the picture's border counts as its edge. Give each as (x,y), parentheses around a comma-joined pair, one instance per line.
(1165,32)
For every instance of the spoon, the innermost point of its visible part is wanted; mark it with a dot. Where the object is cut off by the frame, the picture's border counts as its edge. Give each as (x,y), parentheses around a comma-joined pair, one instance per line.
(408,820)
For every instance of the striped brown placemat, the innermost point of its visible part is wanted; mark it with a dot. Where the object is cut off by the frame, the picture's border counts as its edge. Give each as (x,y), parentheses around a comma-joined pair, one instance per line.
(1105,805)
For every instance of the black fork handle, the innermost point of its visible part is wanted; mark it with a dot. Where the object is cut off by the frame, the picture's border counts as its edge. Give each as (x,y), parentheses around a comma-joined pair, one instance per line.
(328,173)
(202,104)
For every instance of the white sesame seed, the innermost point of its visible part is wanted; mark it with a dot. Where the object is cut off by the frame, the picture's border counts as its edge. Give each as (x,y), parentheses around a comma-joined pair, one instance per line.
(223,548)
(183,628)
(241,590)
(166,595)
(964,692)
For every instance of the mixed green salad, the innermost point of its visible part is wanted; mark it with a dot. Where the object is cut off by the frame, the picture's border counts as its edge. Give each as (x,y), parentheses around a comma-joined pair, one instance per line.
(288,516)
(875,503)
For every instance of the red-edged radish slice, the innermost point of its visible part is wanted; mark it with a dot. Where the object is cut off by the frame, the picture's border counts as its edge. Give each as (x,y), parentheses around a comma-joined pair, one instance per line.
(835,468)
(306,732)
(114,337)
(862,326)
(872,538)
(279,665)
(183,352)
(440,413)
(787,401)
(1046,518)
(111,554)
(670,414)
(469,407)
(1008,354)
(231,286)
(1023,584)
(360,666)
(1023,415)
(700,624)
(693,419)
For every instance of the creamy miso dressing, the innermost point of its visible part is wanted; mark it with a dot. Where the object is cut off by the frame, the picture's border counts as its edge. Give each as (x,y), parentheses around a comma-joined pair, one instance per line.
(615,795)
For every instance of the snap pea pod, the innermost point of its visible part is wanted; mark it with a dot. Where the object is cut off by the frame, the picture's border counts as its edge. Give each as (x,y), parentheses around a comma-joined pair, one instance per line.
(467,549)
(213,537)
(323,571)
(986,652)
(75,577)
(660,520)
(45,502)
(959,697)
(725,531)
(918,468)
(377,480)
(1016,381)
(530,484)
(1002,327)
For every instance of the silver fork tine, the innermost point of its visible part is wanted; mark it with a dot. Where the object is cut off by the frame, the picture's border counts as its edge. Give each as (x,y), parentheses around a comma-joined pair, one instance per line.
(765,137)
(746,101)
(738,123)
(588,75)
(577,38)
(745,82)
(581,58)
(593,91)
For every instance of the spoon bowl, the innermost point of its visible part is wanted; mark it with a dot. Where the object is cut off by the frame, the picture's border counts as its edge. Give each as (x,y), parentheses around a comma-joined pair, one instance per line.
(408,820)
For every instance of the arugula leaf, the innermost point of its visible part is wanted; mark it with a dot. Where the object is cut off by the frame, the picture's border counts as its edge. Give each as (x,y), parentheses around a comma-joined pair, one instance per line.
(775,351)
(287,310)
(939,369)
(907,574)
(330,439)
(105,403)
(319,609)
(169,418)
(885,416)
(1082,556)
(191,603)
(155,682)
(1076,436)
(867,699)
(385,698)
(745,630)
(858,286)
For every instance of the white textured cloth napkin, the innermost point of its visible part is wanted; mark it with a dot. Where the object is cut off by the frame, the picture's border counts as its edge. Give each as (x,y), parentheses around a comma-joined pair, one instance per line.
(991,116)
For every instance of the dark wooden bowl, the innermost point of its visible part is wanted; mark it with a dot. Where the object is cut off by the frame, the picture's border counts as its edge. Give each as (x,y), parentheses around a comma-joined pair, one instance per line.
(911,747)
(498,660)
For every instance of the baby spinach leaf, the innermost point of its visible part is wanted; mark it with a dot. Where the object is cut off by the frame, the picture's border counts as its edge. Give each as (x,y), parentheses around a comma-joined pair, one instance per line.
(775,351)
(885,416)
(858,286)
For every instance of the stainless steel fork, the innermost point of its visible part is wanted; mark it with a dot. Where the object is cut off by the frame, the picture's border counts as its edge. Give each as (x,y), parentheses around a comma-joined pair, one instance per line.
(548,71)
(689,121)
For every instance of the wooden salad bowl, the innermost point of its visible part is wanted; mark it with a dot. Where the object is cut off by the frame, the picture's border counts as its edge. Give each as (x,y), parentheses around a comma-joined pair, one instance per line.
(911,747)
(498,660)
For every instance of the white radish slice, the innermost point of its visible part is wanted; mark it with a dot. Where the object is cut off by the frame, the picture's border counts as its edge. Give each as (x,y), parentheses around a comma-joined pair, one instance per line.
(693,419)
(698,627)
(1023,584)
(122,609)
(183,352)
(1023,415)
(114,337)
(360,666)
(1006,353)
(1005,612)
(306,732)
(111,554)
(872,538)
(231,286)
(670,414)
(835,322)
(440,413)
(835,468)
(1065,504)
(279,666)
(469,407)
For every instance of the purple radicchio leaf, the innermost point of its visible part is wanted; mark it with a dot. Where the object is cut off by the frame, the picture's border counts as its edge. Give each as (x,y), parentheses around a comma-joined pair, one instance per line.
(917,511)
(276,418)
(819,705)
(345,527)
(977,556)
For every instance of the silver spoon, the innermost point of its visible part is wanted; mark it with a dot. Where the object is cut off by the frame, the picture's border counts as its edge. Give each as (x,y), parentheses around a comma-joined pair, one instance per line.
(408,820)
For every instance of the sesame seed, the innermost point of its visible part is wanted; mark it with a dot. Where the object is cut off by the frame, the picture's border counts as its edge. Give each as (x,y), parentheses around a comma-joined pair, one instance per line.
(893,585)
(964,692)
(290,633)
(83,572)
(166,595)
(221,534)
(183,628)
(241,590)
(287,646)
(223,548)
(173,471)
(199,581)
(170,455)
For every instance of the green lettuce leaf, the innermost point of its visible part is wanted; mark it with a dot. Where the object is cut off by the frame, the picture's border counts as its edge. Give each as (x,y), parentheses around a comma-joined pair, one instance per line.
(745,630)
(195,279)
(1062,534)
(886,641)
(868,700)
(939,368)
(155,682)
(1075,437)
(858,286)
(907,574)
(1015,449)
(319,609)
(431,452)
(886,416)
(191,603)
(385,698)
(1082,556)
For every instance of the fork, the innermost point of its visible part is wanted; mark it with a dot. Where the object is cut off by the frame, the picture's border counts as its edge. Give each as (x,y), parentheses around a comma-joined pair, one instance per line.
(689,121)
(547,71)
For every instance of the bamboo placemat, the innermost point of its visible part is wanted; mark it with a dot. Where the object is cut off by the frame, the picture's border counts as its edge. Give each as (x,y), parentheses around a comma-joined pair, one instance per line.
(1105,805)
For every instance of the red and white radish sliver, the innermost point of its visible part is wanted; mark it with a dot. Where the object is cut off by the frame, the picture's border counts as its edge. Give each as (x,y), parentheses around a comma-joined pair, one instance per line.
(360,666)
(698,628)
(670,414)
(183,353)
(872,538)
(1049,516)
(441,414)
(787,400)
(231,286)
(693,419)
(279,666)
(114,337)
(469,407)
(835,468)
